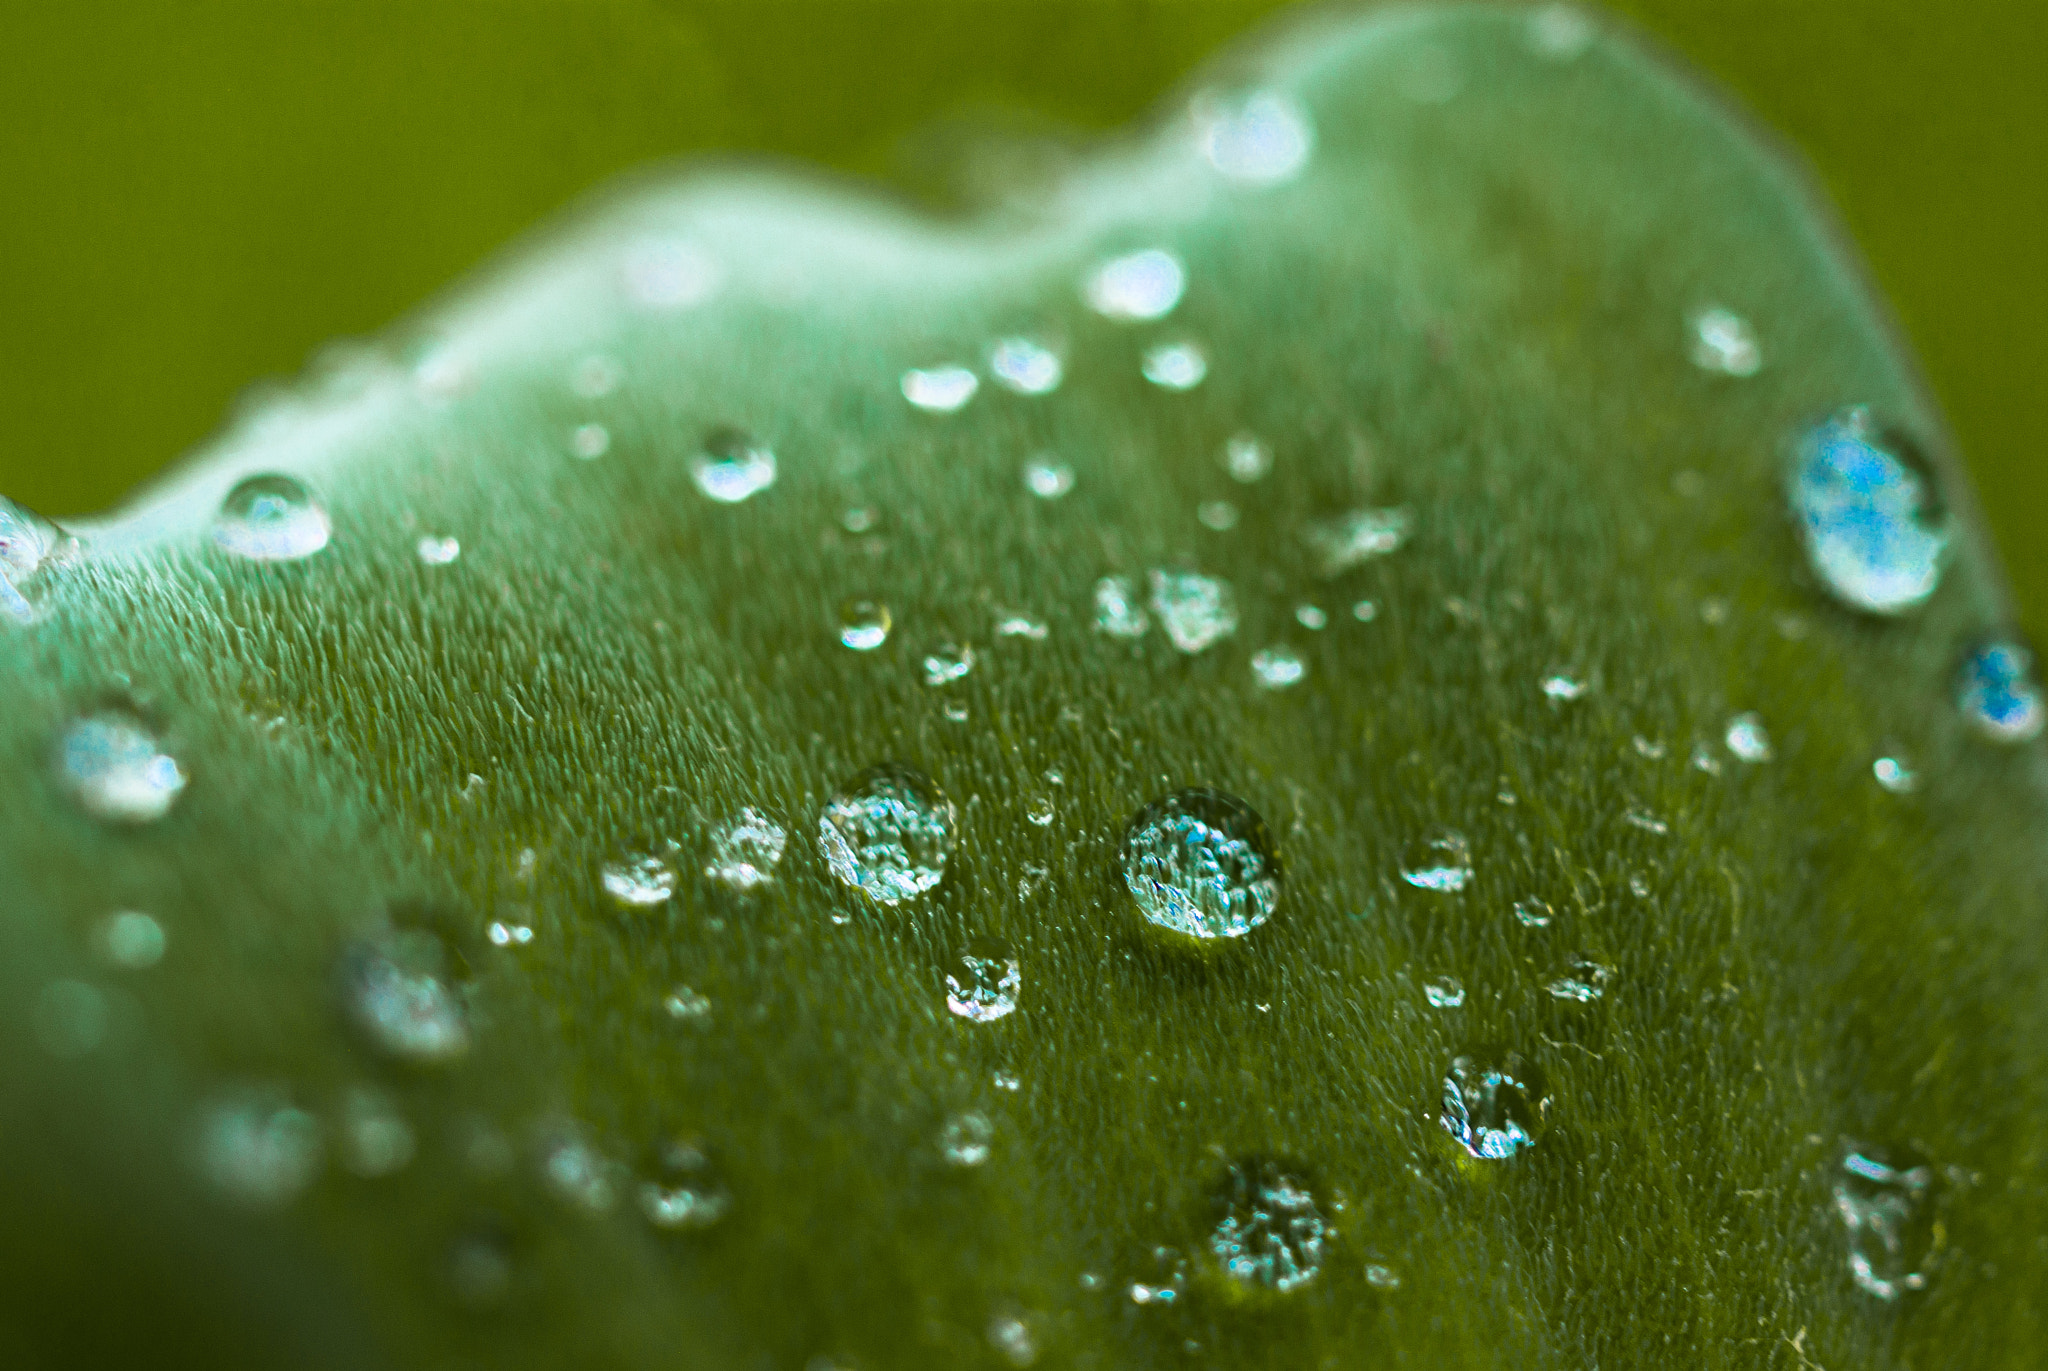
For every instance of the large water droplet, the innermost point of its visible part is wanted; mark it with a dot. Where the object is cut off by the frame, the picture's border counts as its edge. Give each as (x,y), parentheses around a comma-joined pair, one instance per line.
(1355,538)
(1196,611)
(1201,862)
(1885,1199)
(888,833)
(1269,1231)
(983,982)
(1998,695)
(117,770)
(940,390)
(864,624)
(1869,510)
(1116,609)
(686,1194)
(1260,139)
(1560,32)
(967,1138)
(1723,341)
(1140,286)
(271,519)
(1442,862)
(1175,366)
(26,542)
(1025,367)
(257,1148)
(1562,688)
(1494,1102)
(640,881)
(746,851)
(1748,739)
(733,465)
(1277,668)
(396,992)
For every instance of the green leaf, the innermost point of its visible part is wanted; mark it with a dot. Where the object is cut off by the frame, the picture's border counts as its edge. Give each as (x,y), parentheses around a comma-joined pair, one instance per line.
(422,1032)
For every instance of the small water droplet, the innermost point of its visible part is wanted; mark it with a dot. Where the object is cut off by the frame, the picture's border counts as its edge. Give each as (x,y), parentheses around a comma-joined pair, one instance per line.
(257,1148)
(271,518)
(1639,886)
(1116,609)
(116,769)
(686,1194)
(941,389)
(947,664)
(1365,611)
(1008,1080)
(888,833)
(1261,138)
(1998,695)
(1025,367)
(687,1005)
(1353,539)
(1723,341)
(1269,1229)
(375,1138)
(1868,507)
(667,273)
(590,441)
(395,990)
(1703,759)
(1047,479)
(983,981)
(1494,1102)
(1885,1200)
(1561,688)
(131,940)
(1445,992)
(1646,821)
(859,518)
(1175,366)
(1276,668)
(438,551)
(1560,32)
(733,465)
(27,541)
(1584,981)
(1748,739)
(1311,617)
(1219,516)
(595,377)
(1442,862)
(1247,458)
(1010,1335)
(1895,775)
(1040,812)
(1196,611)
(1137,287)
(1201,862)
(640,881)
(746,851)
(1382,1277)
(576,1173)
(504,934)
(967,1138)
(1013,624)
(864,624)
(1531,912)
(1647,748)
(955,712)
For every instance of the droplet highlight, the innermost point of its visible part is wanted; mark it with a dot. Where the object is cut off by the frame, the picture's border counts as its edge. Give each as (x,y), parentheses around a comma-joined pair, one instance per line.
(1885,1200)
(1441,862)
(746,850)
(1137,287)
(1196,611)
(1998,695)
(888,833)
(733,465)
(1869,512)
(271,518)
(983,981)
(940,390)
(117,771)
(1201,863)
(1495,1102)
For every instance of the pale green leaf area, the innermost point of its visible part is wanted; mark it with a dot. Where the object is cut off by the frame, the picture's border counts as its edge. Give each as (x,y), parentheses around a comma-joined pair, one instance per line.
(1473,304)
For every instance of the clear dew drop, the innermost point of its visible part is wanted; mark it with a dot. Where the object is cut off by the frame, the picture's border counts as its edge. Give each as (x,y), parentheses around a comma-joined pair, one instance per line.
(1648,748)
(864,624)
(1196,611)
(1117,612)
(1040,812)
(576,1173)
(1562,688)
(1048,479)
(590,441)
(1010,1334)
(131,940)
(967,1139)
(1646,821)
(1998,695)
(685,1193)
(859,519)
(1262,138)
(1382,1277)
(116,770)
(1494,1102)
(1582,982)
(733,465)
(1353,539)
(1869,511)
(438,551)
(1269,1232)
(1218,516)
(1016,624)
(1531,912)
(1441,861)
(1703,759)
(395,989)
(1277,668)
(1175,366)
(746,850)
(1311,617)
(983,981)
(940,390)
(1748,739)
(505,934)
(888,833)
(640,881)
(1137,287)
(948,663)
(1723,342)
(1444,992)
(257,1148)
(1024,367)
(1201,863)
(1247,458)
(1885,1200)
(1895,775)
(687,1006)
(271,518)
(1365,611)
(27,541)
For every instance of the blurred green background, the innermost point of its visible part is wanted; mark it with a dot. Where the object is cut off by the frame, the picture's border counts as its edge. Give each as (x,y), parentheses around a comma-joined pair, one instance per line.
(201,192)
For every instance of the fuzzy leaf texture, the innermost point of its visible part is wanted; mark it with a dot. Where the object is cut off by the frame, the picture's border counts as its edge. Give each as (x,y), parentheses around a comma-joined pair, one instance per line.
(458,924)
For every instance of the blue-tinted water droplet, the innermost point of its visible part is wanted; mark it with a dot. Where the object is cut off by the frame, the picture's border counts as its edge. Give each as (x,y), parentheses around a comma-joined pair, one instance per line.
(1494,1102)
(746,851)
(1723,341)
(1196,611)
(1137,287)
(1365,611)
(116,769)
(1048,479)
(1584,981)
(888,833)
(1441,862)
(1277,668)
(1561,688)
(27,541)
(375,1138)
(1748,739)
(1895,775)
(1998,694)
(576,1172)
(733,465)
(1175,366)
(1382,1277)
(983,982)
(1352,539)
(948,663)
(396,992)
(1444,992)
(864,624)
(687,1006)
(438,551)
(271,518)
(640,881)
(1024,367)
(1269,1229)
(1885,1200)
(1117,612)
(1010,1334)
(1869,511)
(1201,863)
(1014,624)
(1311,617)
(1262,138)
(940,390)
(1531,912)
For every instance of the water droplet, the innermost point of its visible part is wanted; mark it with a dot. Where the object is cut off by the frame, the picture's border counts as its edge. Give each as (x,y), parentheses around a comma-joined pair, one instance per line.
(1382,1277)
(940,390)
(1583,981)
(1175,366)
(1645,747)
(1494,1102)
(687,1194)
(1445,992)
(1639,886)
(596,377)
(1219,516)
(1533,913)
(640,881)
(1260,139)
(888,833)
(1559,688)
(1047,479)
(687,1005)
(1723,341)
(1024,367)
(1247,458)
(1013,624)
(1885,1199)
(1116,609)
(26,542)
(395,991)
(1649,823)
(1140,286)
(590,441)
(1356,538)
(131,940)
(745,852)
(1365,611)
(1998,695)
(503,934)
(1895,775)
(1311,617)
(1040,812)
(859,518)
(733,465)
(438,551)
(983,981)
(1011,1335)
(1201,862)
(1869,509)
(1442,862)
(1008,1080)
(955,712)
(864,624)
(966,1139)
(1560,32)
(1748,740)
(1277,668)
(117,771)
(668,274)
(375,1138)
(1269,1231)
(1703,759)
(258,1149)
(1196,611)
(947,664)
(574,1171)
(271,519)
